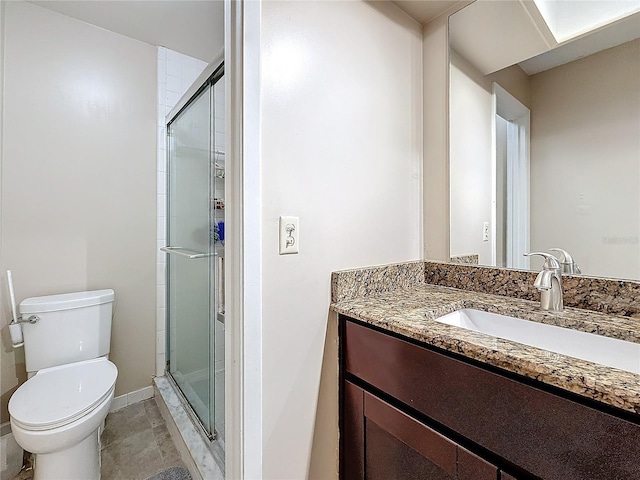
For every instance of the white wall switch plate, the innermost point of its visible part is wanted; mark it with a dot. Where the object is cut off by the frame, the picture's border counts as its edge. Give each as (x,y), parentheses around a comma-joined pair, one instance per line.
(485,232)
(289,235)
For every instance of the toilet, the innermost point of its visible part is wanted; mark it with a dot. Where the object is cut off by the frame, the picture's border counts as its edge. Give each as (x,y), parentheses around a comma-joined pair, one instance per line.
(58,413)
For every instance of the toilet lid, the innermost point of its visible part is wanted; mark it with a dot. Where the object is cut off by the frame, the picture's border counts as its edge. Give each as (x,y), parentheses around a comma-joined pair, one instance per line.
(59,395)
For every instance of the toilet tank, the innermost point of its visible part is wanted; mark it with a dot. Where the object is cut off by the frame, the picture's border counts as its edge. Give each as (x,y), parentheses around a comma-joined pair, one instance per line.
(71,327)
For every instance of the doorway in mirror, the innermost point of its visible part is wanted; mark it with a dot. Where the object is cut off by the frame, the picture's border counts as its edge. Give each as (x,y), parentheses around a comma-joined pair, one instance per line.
(510,181)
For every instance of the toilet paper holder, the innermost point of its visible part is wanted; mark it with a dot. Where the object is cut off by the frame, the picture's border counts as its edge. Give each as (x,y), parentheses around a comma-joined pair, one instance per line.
(15,329)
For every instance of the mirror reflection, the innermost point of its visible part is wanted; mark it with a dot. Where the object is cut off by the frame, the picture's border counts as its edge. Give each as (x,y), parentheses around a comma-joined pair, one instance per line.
(545,153)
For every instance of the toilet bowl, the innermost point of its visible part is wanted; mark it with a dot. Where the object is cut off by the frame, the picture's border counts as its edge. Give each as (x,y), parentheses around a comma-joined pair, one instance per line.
(57,415)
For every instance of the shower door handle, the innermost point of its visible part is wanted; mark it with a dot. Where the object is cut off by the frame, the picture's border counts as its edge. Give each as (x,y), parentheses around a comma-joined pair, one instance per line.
(185,252)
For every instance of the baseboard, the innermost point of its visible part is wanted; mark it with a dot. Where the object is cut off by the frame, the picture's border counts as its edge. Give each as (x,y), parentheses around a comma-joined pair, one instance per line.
(5,429)
(10,453)
(130,398)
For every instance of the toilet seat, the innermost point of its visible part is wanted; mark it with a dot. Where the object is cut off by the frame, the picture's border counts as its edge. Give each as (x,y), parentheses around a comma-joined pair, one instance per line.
(57,396)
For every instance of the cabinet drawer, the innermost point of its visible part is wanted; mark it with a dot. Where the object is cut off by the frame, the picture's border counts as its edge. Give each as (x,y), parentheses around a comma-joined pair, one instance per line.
(547,435)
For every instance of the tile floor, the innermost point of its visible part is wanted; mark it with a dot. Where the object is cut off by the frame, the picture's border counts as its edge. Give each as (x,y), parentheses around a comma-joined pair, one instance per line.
(135,444)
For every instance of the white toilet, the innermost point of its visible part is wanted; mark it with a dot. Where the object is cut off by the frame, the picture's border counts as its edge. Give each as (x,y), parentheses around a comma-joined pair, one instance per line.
(58,412)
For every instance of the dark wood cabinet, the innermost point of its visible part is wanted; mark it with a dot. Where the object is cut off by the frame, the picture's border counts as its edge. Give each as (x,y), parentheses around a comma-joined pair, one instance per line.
(395,442)
(473,467)
(385,443)
(411,411)
(352,432)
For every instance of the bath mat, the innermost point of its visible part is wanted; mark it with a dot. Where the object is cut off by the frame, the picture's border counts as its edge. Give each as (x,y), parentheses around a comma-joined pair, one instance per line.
(173,473)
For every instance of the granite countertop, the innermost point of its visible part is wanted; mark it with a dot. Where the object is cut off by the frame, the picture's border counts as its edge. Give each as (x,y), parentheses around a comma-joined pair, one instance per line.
(410,311)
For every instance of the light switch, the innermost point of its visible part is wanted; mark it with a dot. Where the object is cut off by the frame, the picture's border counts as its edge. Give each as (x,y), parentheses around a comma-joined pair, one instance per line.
(289,235)
(485,232)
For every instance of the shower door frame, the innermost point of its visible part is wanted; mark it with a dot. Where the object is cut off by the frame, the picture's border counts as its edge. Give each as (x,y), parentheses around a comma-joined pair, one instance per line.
(209,77)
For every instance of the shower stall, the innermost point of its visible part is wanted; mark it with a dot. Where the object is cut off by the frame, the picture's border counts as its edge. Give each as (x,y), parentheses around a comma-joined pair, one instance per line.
(195,254)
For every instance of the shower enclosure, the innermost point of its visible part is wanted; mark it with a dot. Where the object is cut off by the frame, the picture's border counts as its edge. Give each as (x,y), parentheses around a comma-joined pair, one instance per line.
(195,254)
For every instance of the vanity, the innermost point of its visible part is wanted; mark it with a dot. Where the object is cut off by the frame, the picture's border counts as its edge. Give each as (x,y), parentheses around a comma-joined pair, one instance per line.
(520,170)
(424,399)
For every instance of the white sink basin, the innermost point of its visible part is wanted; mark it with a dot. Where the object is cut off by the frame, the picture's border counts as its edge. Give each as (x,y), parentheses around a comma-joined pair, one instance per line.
(573,343)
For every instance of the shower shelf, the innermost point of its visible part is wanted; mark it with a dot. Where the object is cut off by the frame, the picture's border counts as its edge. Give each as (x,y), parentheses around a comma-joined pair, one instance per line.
(219,170)
(185,252)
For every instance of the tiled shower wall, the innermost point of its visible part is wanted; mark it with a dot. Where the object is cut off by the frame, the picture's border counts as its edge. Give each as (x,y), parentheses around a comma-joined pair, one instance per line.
(176,73)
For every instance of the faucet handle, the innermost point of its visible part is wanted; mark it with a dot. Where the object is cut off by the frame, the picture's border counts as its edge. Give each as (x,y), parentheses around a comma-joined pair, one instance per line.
(550,262)
(565,256)
(568,263)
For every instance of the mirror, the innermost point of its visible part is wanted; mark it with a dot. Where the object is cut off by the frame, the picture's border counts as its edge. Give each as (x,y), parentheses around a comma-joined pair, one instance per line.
(546,152)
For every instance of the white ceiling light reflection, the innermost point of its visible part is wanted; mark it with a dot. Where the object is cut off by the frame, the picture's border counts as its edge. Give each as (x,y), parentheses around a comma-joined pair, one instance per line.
(568,19)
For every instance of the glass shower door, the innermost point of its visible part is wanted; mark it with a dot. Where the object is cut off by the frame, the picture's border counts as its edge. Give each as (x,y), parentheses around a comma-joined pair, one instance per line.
(191,259)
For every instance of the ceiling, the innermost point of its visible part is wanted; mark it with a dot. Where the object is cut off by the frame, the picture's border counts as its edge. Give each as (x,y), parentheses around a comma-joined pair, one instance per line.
(426,10)
(493,35)
(191,27)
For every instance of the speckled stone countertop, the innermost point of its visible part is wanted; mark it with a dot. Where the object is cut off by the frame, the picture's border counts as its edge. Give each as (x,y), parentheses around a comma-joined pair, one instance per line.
(409,308)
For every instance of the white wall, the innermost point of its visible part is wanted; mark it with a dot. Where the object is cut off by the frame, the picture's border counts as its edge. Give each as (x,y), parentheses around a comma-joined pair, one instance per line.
(9,378)
(585,161)
(78,177)
(435,109)
(341,147)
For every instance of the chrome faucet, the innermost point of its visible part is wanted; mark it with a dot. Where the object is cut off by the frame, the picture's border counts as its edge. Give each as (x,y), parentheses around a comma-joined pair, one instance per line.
(549,283)
(567,263)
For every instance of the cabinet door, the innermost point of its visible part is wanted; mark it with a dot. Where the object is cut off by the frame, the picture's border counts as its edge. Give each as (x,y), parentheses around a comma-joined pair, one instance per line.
(399,447)
(380,442)
(352,434)
(506,476)
(472,467)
